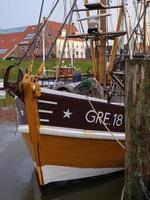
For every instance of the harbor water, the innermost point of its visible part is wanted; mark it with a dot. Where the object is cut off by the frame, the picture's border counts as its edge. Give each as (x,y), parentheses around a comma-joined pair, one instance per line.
(18,179)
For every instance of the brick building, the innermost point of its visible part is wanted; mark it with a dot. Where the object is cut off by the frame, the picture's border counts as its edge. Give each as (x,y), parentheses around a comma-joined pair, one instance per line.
(14,42)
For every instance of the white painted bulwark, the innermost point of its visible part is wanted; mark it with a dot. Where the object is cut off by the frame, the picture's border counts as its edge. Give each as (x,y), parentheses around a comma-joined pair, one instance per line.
(53,173)
(74,133)
(72,95)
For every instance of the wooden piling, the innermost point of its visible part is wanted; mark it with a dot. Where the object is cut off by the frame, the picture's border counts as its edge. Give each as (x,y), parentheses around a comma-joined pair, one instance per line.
(137,161)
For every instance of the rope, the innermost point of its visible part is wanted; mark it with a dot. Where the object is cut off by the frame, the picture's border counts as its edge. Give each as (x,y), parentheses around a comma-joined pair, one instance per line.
(101,121)
(21,59)
(136,25)
(41,10)
(50,50)
(122,194)
(143,187)
(82,28)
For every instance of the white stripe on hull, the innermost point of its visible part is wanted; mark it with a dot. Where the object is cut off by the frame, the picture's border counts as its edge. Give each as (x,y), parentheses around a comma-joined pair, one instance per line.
(44,120)
(75,133)
(48,102)
(46,111)
(53,173)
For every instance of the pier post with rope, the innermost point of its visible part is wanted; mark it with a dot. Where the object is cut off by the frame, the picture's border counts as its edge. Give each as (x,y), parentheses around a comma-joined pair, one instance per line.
(137,162)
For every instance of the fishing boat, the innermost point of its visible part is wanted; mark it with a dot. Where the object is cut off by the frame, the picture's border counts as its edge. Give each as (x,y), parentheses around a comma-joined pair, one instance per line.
(73,135)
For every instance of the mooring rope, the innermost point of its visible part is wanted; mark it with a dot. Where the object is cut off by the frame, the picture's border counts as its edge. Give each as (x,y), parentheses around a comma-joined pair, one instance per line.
(122,194)
(101,121)
(143,186)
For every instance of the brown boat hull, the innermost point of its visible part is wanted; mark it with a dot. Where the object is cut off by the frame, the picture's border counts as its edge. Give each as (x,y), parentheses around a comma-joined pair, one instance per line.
(66,158)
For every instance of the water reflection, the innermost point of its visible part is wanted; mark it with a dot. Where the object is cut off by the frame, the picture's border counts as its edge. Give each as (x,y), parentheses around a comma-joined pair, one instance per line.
(18,182)
(106,189)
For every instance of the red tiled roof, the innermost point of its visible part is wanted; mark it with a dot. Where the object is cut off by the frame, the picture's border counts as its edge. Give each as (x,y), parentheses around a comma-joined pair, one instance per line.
(56,26)
(10,40)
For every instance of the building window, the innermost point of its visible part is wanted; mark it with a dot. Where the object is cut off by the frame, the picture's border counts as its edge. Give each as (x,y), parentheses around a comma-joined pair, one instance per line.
(59,54)
(63,33)
(24,42)
(3,51)
(23,49)
(81,54)
(77,53)
(29,36)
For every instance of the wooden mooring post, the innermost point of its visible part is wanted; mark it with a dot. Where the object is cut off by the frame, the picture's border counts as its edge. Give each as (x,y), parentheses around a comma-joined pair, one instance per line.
(137,161)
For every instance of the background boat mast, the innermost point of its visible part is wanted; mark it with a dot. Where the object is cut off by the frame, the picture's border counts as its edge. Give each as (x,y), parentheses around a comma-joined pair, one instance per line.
(92,51)
(116,44)
(102,49)
(43,45)
(144,28)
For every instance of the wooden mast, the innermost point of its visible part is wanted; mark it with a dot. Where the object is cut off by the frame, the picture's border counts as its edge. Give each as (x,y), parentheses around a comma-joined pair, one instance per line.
(144,28)
(115,46)
(43,44)
(102,56)
(92,52)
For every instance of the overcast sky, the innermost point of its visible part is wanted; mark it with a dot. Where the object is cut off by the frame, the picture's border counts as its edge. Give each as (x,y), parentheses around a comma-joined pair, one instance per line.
(15,13)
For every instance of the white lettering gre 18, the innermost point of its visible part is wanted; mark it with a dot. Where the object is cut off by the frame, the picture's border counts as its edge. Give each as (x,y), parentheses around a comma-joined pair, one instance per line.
(101,117)
(117,120)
